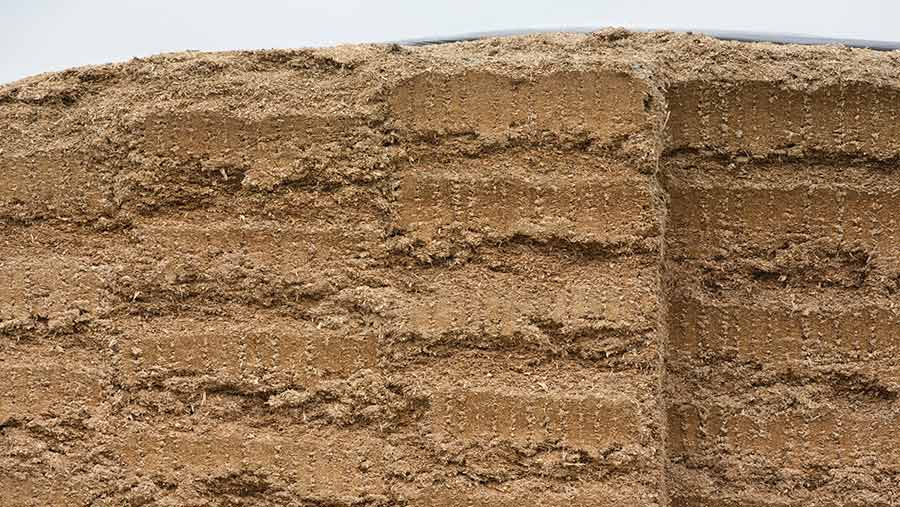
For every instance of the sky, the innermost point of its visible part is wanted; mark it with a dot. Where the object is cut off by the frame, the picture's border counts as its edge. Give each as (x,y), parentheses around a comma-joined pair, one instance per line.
(49,35)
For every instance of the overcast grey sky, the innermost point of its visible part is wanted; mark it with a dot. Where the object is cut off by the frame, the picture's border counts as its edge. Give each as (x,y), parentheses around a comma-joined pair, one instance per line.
(46,35)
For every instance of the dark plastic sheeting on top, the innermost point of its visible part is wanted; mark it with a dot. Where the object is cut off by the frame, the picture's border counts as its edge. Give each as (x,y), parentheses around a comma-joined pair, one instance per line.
(777,38)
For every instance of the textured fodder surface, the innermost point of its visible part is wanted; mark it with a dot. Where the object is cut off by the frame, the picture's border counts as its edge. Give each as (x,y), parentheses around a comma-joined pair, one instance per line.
(781,247)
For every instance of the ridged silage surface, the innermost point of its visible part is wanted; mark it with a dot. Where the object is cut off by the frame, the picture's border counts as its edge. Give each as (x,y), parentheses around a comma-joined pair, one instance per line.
(606,269)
